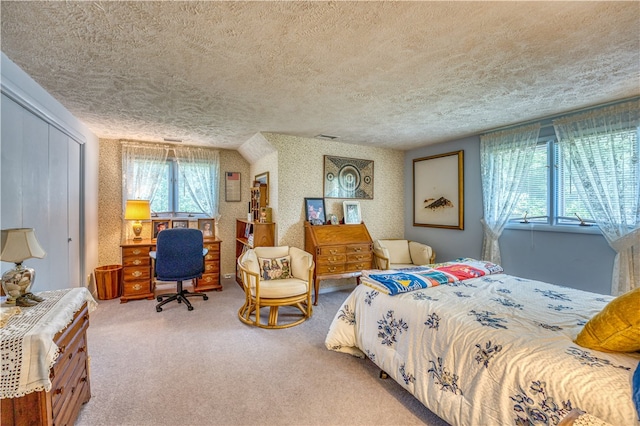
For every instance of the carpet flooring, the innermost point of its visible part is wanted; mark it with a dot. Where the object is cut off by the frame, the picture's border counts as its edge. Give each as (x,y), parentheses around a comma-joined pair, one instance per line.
(205,367)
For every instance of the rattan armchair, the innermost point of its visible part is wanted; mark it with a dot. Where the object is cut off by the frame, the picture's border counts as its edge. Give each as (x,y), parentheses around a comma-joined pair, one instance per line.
(263,289)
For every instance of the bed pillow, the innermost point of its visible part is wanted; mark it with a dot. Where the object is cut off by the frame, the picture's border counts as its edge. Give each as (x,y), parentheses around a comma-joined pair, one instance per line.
(278,268)
(616,328)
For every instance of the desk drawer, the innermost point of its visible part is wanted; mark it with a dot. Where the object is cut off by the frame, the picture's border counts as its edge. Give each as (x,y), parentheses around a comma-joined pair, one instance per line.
(136,274)
(135,251)
(212,255)
(136,261)
(359,257)
(211,267)
(357,266)
(358,248)
(331,259)
(135,288)
(208,279)
(331,250)
(330,269)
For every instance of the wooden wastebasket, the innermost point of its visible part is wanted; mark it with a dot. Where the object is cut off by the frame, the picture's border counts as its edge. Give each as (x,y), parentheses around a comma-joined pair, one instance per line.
(108,281)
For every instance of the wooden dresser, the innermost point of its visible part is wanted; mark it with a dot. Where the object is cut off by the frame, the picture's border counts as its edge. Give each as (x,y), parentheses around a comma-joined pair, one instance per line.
(70,382)
(339,251)
(137,282)
(211,278)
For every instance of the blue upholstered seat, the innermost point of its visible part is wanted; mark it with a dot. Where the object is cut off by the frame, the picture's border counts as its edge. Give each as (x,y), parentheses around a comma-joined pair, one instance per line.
(179,256)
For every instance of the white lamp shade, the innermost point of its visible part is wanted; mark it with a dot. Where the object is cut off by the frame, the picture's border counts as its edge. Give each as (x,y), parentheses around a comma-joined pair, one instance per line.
(137,210)
(19,244)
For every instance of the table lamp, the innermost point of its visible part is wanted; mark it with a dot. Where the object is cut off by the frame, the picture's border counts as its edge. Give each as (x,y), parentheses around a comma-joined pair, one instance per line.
(18,245)
(137,210)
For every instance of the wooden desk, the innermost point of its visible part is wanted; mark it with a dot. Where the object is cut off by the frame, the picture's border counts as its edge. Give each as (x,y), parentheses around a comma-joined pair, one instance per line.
(137,269)
(339,251)
(137,279)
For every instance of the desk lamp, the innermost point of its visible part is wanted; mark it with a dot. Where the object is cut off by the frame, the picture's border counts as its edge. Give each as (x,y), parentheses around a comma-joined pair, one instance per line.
(137,210)
(18,245)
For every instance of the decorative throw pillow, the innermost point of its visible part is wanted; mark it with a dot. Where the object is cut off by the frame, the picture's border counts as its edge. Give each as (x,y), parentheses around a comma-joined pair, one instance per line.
(616,328)
(278,268)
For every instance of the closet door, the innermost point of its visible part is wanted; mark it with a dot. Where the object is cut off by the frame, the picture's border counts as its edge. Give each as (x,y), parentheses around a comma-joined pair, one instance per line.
(40,175)
(58,226)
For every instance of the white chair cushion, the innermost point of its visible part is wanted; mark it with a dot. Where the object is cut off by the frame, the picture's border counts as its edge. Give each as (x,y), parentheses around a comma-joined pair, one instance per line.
(281,288)
(420,253)
(402,265)
(398,250)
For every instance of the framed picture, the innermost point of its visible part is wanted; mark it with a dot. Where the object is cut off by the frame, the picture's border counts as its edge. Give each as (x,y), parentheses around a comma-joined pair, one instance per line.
(348,178)
(179,223)
(314,211)
(232,186)
(264,179)
(438,191)
(352,213)
(208,227)
(159,225)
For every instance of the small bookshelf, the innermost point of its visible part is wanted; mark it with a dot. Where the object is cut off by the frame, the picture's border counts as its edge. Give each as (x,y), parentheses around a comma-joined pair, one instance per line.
(250,234)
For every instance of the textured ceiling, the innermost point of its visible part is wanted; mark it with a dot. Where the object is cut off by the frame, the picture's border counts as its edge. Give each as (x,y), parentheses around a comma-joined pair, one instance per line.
(386,74)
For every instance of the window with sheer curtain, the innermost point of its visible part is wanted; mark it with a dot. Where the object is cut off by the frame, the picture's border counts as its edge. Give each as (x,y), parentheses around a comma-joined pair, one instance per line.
(549,195)
(179,181)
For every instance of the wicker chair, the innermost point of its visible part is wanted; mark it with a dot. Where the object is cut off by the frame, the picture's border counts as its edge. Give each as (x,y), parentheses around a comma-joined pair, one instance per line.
(275,277)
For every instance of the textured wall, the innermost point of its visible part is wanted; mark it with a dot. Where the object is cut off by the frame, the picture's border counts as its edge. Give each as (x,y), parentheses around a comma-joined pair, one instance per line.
(110,205)
(300,175)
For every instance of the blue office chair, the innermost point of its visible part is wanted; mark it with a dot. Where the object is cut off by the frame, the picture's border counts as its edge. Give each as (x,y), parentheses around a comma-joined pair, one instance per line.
(179,256)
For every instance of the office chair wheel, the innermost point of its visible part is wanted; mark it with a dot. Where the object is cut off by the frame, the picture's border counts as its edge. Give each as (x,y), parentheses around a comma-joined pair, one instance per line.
(158,309)
(159,299)
(206,297)
(190,308)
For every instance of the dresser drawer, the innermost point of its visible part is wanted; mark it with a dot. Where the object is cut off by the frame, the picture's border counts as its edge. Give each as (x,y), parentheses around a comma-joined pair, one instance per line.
(64,386)
(136,251)
(70,346)
(212,247)
(330,269)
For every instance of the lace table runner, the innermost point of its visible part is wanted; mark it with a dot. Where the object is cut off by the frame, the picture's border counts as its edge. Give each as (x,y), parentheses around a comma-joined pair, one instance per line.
(26,341)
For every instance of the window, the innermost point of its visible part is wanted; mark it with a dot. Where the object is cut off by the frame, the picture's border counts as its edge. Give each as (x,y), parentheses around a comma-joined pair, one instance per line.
(179,181)
(549,195)
(176,194)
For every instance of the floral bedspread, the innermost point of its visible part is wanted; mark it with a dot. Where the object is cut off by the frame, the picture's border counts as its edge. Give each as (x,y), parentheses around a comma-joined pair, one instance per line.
(492,350)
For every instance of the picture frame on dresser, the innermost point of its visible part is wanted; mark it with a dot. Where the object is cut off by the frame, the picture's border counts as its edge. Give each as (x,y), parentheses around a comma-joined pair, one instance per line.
(207,226)
(352,213)
(159,225)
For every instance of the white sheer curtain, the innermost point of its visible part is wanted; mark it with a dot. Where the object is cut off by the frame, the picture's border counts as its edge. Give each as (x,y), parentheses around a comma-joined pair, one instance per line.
(142,168)
(200,168)
(505,157)
(601,147)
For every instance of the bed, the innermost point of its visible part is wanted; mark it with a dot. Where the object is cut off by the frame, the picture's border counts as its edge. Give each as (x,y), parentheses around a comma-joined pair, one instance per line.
(487,348)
